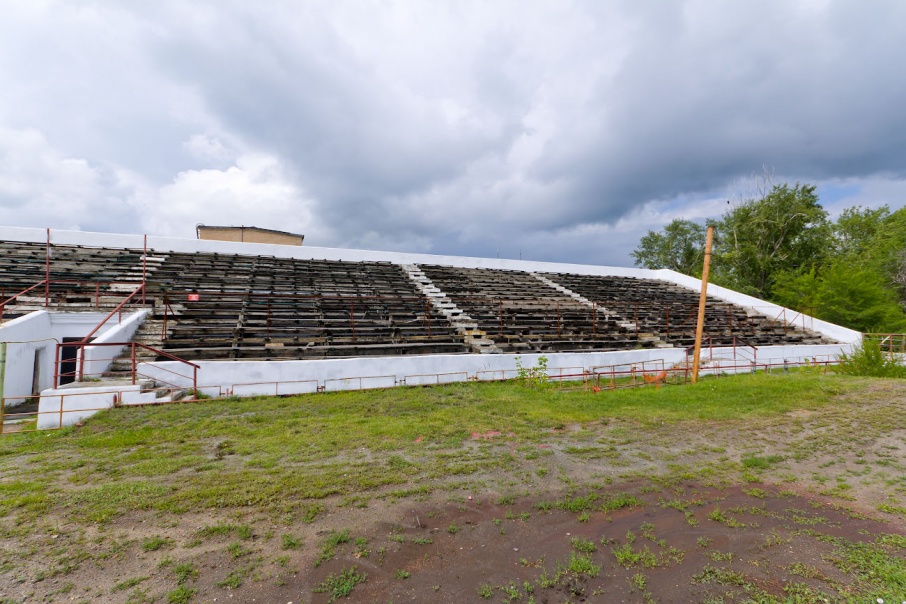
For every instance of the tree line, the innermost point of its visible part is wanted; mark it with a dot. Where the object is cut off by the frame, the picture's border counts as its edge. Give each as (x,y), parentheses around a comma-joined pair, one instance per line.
(782,247)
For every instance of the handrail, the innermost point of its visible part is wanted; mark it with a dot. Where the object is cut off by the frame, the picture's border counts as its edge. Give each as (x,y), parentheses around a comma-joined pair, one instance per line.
(118,308)
(112,312)
(4,303)
(11,298)
(690,349)
(133,346)
(744,341)
(164,353)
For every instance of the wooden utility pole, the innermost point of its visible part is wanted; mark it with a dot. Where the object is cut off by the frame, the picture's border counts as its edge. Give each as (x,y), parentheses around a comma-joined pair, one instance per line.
(696,358)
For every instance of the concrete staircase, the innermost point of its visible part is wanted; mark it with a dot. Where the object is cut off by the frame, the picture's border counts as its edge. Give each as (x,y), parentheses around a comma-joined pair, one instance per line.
(465,325)
(621,321)
(150,334)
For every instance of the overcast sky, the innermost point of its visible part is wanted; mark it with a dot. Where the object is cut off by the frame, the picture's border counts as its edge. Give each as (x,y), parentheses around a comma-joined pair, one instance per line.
(553,130)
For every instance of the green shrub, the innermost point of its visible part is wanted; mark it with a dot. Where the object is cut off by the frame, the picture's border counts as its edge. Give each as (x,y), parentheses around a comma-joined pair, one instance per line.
(867,359)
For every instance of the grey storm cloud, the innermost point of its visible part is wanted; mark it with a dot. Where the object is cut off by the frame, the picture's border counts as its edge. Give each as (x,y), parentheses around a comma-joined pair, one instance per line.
(553,130)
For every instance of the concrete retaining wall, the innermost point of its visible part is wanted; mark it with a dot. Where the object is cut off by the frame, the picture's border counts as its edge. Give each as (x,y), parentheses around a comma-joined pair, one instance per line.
(246,378)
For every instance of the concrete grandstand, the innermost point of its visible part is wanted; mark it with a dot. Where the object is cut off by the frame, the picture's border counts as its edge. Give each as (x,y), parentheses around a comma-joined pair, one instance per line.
(221,318)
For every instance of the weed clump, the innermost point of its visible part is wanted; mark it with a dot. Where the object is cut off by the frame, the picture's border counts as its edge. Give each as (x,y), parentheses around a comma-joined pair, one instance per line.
(340,586)
(329,547)
(868,360)
(534,377)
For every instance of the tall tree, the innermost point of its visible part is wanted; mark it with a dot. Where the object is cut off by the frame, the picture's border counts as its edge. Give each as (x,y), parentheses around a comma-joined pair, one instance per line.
(680,247)
(856,228)
(786,230)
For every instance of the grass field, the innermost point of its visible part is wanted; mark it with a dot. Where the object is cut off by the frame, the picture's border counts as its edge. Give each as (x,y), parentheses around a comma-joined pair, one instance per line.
(291,499)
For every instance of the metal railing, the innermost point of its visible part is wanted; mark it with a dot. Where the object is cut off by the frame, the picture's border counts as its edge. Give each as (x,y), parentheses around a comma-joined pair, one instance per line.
(891,343)
(80,375)
(14,420)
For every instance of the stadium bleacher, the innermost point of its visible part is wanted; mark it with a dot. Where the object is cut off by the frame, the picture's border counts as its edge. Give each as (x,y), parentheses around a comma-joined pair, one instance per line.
(230,306)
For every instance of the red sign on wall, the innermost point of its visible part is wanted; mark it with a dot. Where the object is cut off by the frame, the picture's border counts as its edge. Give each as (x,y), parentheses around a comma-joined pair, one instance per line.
(193,297)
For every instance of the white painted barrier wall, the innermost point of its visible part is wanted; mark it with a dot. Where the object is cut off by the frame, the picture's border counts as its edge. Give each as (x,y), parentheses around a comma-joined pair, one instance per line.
(247,378)
(61,407)
(98,358)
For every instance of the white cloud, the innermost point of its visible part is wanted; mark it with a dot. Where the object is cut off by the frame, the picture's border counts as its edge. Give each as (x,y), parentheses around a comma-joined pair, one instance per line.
(253,192)
(39,186)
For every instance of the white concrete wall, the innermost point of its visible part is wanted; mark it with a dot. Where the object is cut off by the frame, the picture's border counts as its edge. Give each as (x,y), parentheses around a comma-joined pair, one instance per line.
(41,331)
(248,378)
(61,407)
(98,358)
(771,355)
(26,335)
(245,378)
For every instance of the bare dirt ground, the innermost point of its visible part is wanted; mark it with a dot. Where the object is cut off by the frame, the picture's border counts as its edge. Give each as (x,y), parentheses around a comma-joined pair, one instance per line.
(807,506)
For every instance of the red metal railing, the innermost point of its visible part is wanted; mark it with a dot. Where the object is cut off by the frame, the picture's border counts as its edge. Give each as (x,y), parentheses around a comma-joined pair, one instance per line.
(6,301)
(133,373)
(96,289)
(119,307)
(891,343)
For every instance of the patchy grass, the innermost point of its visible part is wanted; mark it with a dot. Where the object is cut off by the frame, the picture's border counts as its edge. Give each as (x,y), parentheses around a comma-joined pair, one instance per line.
(233,479)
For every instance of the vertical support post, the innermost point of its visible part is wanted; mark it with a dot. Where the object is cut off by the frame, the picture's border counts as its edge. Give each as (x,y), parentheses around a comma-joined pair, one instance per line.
(56,366)
(700,327)
(635,315)
(144,268)
(163,331)
(134,368)
(2,380)
(47,272)
(80,350)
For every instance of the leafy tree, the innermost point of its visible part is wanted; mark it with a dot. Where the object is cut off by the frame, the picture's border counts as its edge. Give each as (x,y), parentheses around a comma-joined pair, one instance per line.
(859,298)
(845,293)
(781,247)
(798,290)
(857,228)
(679,247)
(886,250)
(786,230)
